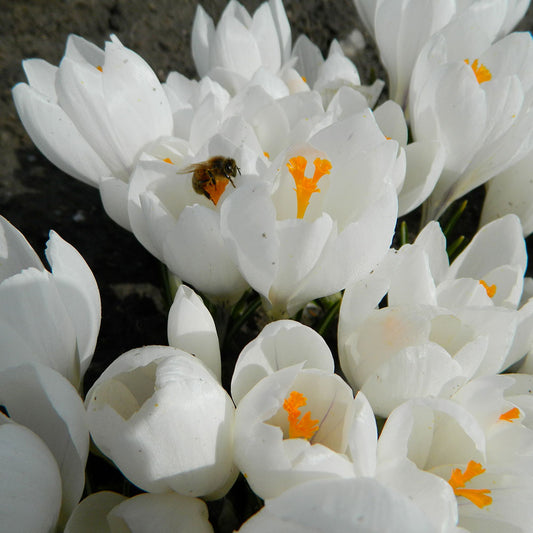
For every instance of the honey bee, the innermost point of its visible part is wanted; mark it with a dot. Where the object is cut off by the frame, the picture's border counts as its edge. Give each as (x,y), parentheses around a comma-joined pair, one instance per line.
(206,175)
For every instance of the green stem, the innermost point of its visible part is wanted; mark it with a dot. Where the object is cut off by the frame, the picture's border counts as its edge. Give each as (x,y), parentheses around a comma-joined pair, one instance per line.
(455,218)
(404,238)
(454,246)
(332,312)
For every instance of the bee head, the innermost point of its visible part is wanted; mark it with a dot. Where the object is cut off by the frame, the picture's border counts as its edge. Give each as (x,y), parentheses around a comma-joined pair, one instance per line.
(231,168)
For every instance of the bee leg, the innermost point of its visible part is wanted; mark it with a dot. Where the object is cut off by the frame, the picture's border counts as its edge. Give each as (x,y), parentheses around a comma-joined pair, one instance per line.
(231,181)
(212,178)
(207,195)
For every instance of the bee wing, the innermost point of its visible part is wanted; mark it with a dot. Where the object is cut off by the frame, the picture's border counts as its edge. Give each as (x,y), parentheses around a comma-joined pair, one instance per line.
(190,168)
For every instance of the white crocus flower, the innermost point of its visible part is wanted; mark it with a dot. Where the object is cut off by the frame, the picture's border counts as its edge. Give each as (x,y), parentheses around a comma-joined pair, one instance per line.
(46,403)
(167,216)
(162,417)
(337,506)
(30,484)
(424,159)
(109,512)
(476,443)
(94,114)
(295,237)
(240,44)
(50,318)
(475,99)
(444,324)
(278,446)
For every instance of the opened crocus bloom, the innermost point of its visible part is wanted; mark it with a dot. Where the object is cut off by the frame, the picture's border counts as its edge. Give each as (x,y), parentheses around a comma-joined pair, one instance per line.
(324,214)
(474,98)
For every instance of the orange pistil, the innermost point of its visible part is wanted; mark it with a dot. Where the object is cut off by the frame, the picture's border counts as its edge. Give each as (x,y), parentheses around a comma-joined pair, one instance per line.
(480,70)
(305,187)
(299,428)
(266,154)
(100,68)
(510,415)
(491,291)
(458,479)
(168,160)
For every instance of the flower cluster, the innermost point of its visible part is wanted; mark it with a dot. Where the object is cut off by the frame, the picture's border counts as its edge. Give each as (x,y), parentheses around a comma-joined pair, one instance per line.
(273,187)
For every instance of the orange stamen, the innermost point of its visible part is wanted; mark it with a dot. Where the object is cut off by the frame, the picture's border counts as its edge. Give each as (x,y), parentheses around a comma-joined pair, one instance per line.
(168,160)
(458,479)
(510,415)
(266,154)
(100,68)
(491,291)
(480,70)
(299,428)
(305,187)
(304,79)
(216,189)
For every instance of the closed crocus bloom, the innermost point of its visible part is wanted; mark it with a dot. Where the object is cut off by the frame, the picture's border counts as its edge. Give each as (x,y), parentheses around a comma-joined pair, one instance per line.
(240,44)
(307,232)
(402,25)
(93,115)
(30,485)
(50,318)
(161,416)
(337,506)
(191,328)
(296,425)
(108,512)
(47,404)
(474,98)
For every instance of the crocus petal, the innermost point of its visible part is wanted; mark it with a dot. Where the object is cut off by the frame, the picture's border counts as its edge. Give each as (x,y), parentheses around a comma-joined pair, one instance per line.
(336,506)
(257,257)
(191,328)
(497,243)
(16,254)
(425,161)
(35,325)
(114,195)
(91,514)
(211,270)
(160,512)
(45,402)
(280,344)
(511,192)
(52,131)
(79,292)
(30,487)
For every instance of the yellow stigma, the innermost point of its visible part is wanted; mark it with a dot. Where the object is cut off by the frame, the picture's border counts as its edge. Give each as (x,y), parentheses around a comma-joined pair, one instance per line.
(299,428)
(480,70)
(491,291)
(305,187)
(458,479)
(510,415)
